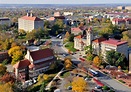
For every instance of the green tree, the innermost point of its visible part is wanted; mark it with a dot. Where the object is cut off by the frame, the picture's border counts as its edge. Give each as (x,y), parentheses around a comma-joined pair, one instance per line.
(71,37)
(2,69)
(115,58)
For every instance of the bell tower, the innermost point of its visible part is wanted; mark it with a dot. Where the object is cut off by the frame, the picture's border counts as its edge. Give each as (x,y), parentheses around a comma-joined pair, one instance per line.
(89,36)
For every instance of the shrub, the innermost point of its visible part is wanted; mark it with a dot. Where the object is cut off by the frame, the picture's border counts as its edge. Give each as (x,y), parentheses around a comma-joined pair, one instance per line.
(106,88)
(122,81)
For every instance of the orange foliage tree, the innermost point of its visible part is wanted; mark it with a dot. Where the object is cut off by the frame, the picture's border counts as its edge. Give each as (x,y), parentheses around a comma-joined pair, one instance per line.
(7,78)
(68,63)
(7,87)
(97,61)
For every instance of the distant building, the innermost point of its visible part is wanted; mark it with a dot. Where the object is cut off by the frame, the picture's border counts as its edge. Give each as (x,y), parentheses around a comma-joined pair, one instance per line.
(129,60)
(128,7)
(30,22)
(121,7)
(3,56)
(68,13)
(35,63)
(5,21)
(120,21)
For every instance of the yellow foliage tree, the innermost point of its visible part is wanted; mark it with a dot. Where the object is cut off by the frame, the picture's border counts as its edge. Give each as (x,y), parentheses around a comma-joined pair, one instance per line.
(79,85)
(16,54)
(68,63)
(2,69)
(45,77)
(96,61)
(7,87)
(67,35)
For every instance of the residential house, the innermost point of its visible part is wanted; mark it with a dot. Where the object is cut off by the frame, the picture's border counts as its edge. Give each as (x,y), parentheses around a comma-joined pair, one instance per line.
(35,63)
(120,21)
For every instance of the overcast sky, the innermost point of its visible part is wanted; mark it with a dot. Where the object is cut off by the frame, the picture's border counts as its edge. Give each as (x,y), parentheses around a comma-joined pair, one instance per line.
(63,1)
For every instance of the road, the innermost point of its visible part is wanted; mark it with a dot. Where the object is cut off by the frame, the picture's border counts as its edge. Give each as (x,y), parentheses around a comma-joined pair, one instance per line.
(104,78)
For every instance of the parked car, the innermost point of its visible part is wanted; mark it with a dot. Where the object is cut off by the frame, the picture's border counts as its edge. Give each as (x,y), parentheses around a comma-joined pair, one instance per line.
(69,87)
(98,87)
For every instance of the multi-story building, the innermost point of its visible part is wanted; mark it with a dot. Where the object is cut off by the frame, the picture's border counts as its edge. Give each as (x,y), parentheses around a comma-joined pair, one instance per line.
(35,63)
(116,45)
(100,45)
(30,22)
(120,21)
(5,21)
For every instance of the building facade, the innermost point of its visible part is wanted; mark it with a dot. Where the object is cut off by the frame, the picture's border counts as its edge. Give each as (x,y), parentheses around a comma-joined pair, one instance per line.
(29,23)
(35,63)
(100,45)
(5,21)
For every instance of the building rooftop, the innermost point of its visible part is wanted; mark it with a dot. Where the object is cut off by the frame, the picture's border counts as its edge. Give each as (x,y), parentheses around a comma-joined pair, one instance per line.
(98,40)
(79,37)
(33,18)
(40,54)
(22,64)
(114,42)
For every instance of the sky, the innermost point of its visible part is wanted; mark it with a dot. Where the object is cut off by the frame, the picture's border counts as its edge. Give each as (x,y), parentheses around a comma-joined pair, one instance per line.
(64,1)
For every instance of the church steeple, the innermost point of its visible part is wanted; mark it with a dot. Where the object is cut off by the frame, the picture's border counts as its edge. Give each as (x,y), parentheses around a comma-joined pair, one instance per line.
(89,36)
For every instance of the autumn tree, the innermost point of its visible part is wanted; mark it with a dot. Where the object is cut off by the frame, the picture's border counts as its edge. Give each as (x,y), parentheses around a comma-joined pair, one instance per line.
(67,63)
(7,78)
(67,35)
(16,54)
(79,85)
(96,61)
(2,69)
(7,87)
(13,44)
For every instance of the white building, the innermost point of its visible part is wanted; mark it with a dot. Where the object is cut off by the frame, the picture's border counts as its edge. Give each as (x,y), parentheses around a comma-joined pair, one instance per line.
(29,23)
(68,13)
(5,21)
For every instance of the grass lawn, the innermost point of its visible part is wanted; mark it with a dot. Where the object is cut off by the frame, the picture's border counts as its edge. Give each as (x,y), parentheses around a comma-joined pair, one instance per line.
(21,36)
(65,74)
(70,46)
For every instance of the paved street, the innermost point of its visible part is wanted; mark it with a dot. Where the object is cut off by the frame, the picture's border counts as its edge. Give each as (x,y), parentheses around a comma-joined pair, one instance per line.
(105,79)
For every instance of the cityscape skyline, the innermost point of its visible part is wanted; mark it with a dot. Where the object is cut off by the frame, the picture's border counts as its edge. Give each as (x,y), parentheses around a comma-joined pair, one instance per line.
(64,2)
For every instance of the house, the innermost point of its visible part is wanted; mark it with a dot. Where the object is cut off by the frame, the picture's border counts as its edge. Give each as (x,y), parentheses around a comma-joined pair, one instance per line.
(29,23)
(5,21)
(35,63)
(3,56)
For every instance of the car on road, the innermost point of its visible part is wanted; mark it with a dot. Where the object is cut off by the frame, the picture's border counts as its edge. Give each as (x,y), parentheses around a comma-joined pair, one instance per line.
(98,87)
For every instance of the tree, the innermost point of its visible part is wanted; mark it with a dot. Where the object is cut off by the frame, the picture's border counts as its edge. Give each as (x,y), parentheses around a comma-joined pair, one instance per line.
(60,23)
(7,87)
(90,56)
(68,63)
(115,58)
(13,44)
(2,69)
(67,35)
(7,78)
(96,61)
(42,88)
(16,54)
(71,38)
(79,85)
(6,44)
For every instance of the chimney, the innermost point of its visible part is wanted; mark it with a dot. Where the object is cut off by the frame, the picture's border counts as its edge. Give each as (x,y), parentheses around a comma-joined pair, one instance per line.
(28,14)
(31,14)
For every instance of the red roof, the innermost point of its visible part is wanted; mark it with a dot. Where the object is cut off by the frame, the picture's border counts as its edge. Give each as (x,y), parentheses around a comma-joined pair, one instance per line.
(98,40)
(31,18)
(79,37)
(76,29)
(40,54)
(114,42)
(22,64)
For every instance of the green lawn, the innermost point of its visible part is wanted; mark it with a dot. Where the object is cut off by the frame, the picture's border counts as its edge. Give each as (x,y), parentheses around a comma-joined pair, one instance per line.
(65,74)
(70,46)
